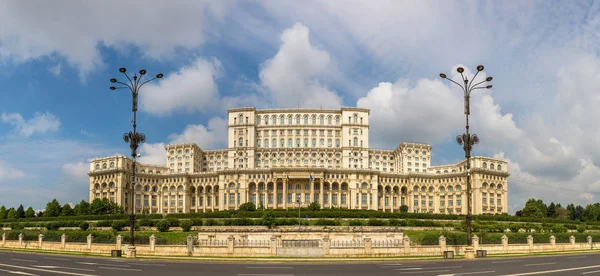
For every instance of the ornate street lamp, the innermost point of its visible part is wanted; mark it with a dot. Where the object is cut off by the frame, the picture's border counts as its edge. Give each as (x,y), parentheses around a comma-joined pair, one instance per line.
(134,139)
(468,140)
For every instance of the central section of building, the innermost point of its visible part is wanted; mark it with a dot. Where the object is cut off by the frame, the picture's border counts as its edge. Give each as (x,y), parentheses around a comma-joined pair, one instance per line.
(285,158)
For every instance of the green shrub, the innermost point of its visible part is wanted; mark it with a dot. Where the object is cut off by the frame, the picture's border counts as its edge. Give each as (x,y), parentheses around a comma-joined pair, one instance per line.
(118,225)
(196,221)
(84,225)
(186,225)
(328,222)
(355,222)
(247,207)
(559,228)
(52,226)
(163,225)
(376,222)
(580,228)
(173,222)
(146,222)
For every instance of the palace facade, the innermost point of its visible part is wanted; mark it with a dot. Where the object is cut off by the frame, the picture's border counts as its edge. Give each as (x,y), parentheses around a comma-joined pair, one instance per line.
(284,158)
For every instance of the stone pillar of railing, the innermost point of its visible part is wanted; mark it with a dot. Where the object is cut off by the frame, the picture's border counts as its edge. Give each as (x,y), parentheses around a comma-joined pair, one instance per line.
(442,244)
(21,239)
(504,243)
(590,242)
(3,239)
(40,239)
(572,240)
(230,241)
(368,246)
(326,244)
(406,245)
(63,240)
(475,242)
(190,245)
(553,241)
(530,242)
(119,241)
(152,243)
(90,238)
(273,246)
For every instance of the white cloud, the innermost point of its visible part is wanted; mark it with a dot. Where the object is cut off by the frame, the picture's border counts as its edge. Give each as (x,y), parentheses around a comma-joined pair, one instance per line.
(40,123)
(293,75)
(56,69)
(53,28)
(7,172)
(192,88)
(76,170)
(212,136)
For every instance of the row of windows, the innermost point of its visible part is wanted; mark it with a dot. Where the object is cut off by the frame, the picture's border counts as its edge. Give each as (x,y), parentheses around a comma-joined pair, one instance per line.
(179,152)
(290,119)
(485,165)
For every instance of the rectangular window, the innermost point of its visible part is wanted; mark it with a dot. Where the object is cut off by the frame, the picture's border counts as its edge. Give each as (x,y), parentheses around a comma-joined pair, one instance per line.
(307,198)
(289,198)
(231,198)
(364,199)
(343,199)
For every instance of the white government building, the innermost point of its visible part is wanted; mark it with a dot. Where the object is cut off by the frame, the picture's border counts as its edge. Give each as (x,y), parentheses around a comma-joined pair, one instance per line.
(279,156)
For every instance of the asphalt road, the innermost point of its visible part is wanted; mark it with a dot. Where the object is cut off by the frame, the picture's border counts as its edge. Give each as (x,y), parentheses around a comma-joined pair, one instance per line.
(19,263)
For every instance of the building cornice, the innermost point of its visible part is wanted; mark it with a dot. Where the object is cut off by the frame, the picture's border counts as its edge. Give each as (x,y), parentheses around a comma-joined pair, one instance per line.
(241,109)
(297,110)
(358,109)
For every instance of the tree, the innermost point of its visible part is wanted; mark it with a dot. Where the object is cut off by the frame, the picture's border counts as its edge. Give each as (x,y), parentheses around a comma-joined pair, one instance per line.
(98,207)
(40,214)
(403,209)
(571,209)
(53,209)
(532,209)
(562,213)
(248,207)
(29,213)
(551,210)
(3,212)
(12,214)
(67,211)
(314,206)
(20,211)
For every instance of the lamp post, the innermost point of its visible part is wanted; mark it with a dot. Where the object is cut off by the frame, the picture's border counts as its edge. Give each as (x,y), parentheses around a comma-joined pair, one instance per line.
(134,139)
(468,140)
(298,200)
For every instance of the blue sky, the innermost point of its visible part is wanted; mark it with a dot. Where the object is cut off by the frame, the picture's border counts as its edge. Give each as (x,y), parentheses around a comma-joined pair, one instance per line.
(58,113)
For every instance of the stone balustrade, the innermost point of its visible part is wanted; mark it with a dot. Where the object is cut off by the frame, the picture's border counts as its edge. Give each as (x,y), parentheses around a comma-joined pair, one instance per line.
(298,244)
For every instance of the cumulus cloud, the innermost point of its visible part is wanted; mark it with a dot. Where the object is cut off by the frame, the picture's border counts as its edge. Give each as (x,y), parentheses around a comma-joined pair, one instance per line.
(7,172)
(211,136)
(293,75)
(192,88)
(76,30)
(40,123)
(77,170)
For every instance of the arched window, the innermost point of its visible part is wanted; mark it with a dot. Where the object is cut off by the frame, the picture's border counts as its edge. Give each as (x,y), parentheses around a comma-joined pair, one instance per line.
(492,166)
(337,143)
(274,119)
(329,120)
(484,165)
(274,143)
(499,167)
(290,120)
(104,166)
(306,119)
(363,186)
(322,142)
(329,143)
(297,142)
(416,189)
(258,120)
(112,165)
(458,188)
(97,166)
(442,190)
(241,143)
(306,142)
(180,188)
(290,143)
(322,120)
(297,119)
(355,142)
(314,119)
(266,145)
(337,120)
(258,143)
(314,142)
(281,120)
(281,143)
(355,118)
(241,120)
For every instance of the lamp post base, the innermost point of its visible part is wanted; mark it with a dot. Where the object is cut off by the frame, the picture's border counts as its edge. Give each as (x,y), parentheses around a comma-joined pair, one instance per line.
(469,252)
(131,253)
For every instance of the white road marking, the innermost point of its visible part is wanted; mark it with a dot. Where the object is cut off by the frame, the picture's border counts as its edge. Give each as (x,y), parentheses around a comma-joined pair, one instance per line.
(425,271)
(62,267)
(539,264)
(47,270)
(18,272)
(60,259)
(32,261)
(577,257)
(148,264)
(266,274)
(420,268)
(118,268)
(553,271)
(102,264)
(409,268)
(476,272)
(271,267)
(590,272)
(85,263)
(505,262)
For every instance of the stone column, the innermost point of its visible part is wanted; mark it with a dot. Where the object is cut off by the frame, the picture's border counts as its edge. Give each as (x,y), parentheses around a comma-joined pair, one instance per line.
(553,241)
(442,244)
(326,244)
(190,245)
(273,246)
(504,243)
(21,239)
(119,242)
(152,243)
(90,238)
(368,248)
(230,241)
(40,239)
(572,241)
(589,240)
(406,244)
(63,240)
(3,239)
(530,242)
(475,242)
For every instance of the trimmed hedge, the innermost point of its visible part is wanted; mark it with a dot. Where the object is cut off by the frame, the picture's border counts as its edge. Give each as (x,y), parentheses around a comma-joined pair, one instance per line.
(458,238)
